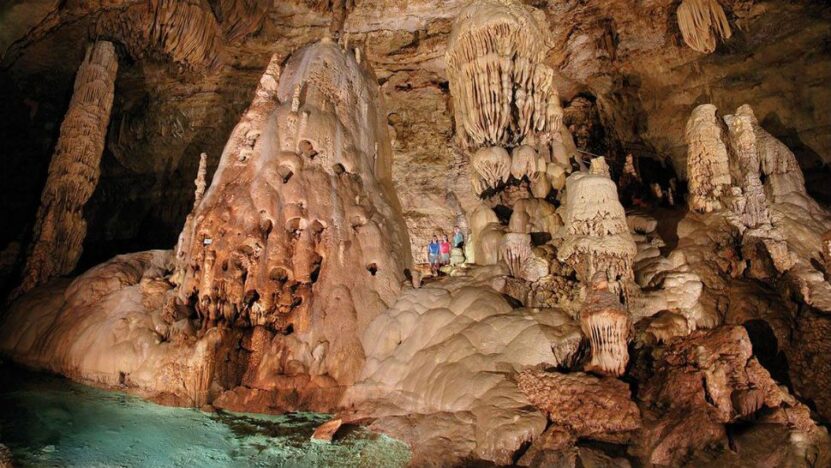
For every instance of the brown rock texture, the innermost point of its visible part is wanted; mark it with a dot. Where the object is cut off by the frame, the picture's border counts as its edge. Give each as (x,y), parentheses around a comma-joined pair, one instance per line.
(583,405)
(703,382)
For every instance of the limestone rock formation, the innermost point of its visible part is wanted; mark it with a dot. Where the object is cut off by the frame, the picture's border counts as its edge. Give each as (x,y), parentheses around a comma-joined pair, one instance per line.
(596,237)
(583,405)
(495,64)
(606,323)
(300,231)
(708,171)
(106,328)
(60,227)
(286,290)
(777,162)
(702,24)
(710,379)
(439,369)
(186,31)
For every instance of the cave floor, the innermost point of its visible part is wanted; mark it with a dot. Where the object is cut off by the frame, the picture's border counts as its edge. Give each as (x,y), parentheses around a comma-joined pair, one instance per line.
(49,421)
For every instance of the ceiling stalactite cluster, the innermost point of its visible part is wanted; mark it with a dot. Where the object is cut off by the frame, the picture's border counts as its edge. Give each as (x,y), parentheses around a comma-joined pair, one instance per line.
(638,240)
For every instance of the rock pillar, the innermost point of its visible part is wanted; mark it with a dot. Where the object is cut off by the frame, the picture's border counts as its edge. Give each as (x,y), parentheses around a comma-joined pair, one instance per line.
(74,170)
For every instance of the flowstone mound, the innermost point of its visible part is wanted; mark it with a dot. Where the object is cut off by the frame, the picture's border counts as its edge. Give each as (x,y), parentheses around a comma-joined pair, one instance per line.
(441,364)
(105,328)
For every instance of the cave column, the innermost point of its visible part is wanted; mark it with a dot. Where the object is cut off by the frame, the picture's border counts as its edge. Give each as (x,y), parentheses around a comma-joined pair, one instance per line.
(60,227)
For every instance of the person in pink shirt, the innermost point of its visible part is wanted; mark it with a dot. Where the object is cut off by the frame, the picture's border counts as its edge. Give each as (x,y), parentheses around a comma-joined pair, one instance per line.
(444,250)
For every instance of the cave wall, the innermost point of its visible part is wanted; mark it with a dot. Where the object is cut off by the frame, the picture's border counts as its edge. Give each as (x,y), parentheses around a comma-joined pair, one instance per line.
(627,56)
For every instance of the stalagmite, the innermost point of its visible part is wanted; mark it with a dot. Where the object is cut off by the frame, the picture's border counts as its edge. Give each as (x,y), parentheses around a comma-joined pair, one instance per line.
(747,169)
(182,246)
(778,164)
(702,24)
(596,235)
(708,170)
(199,182)
(60,227)
(300,224)
(496,71)
(606,322)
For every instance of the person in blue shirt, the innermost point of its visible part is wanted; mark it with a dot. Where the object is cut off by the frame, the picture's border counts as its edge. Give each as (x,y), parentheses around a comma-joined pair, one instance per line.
(458,238)
(433,254)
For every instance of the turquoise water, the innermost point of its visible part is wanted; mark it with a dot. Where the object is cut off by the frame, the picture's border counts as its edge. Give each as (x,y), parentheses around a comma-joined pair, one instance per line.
(49,421)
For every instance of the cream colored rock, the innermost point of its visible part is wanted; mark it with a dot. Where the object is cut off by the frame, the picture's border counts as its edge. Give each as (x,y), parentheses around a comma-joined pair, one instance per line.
(447,352)
(514,251)
(540,185)
(523,162)
(596,237)
(493,165)
(783,176)
(483,225)
(556,175)
(666,326)
(534,215)
(708,171)
(105,328)
(702,24)
(746,172)
(488,243)
(495,65)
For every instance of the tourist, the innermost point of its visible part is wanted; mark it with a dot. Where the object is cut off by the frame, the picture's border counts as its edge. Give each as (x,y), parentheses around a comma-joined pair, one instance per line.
(458,238)
(433,254)
(444,248)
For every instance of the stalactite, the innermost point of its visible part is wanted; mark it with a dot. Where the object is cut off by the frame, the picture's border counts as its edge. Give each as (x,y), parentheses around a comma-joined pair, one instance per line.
(239,18)
(503,92)
(493,166)
(515,250)
(184,31)
(606,323)
(702,24)
(74,170)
